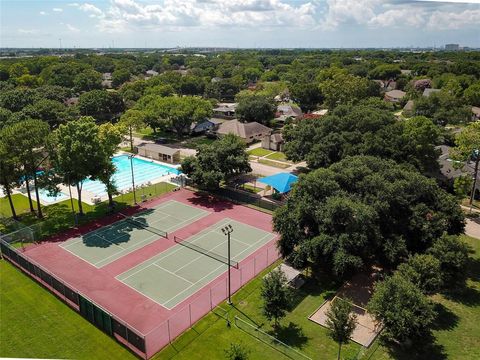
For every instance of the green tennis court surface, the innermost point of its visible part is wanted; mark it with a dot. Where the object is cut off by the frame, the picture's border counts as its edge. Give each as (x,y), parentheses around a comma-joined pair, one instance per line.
(101,247)
(173,275)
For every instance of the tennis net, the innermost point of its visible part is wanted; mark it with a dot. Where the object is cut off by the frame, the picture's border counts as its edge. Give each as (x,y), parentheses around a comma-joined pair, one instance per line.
(145,226)
(205,252)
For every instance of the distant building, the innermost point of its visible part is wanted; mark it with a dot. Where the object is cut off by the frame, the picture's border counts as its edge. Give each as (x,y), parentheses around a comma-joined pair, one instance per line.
(225,110)
(273,142)
(249,132)
(151,73)
(408,108)
(159,152)
(395,96)
(285,111)
(452,47)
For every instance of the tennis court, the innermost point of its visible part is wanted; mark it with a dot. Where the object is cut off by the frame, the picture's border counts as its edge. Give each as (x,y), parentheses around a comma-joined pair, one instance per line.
(173,275)
(107,244)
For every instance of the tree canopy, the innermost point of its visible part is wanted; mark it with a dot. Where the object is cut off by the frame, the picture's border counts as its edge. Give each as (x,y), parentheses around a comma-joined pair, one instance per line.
(362,210)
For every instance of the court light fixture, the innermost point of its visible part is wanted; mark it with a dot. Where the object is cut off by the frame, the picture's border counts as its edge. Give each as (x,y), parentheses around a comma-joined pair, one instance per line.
(227,230)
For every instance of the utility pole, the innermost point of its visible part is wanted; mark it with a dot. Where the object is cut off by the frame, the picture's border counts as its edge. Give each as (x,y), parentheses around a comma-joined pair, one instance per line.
(133,178)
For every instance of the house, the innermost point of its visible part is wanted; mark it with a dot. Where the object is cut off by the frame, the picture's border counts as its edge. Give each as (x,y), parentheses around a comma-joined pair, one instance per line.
(216,79)
(284,96)
(386,85)
(394,96)
(408,108)
(406,72)
(158,152)
(249,132)
(320,113)
(273,142)
(476,113)
(202,127)
(71,101)
(151,73)
(225,110)
(427,92)
(285,111)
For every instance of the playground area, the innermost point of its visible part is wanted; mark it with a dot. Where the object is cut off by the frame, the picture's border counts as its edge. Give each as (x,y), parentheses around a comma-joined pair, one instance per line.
(145,276)
(357,291)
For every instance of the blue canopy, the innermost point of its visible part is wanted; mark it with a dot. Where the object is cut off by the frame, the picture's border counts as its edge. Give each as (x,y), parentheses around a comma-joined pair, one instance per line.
(281,182)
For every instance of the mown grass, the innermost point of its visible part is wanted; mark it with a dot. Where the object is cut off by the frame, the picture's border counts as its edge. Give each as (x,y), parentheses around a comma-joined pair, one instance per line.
(59,217)
(280,165)
(259,152)
(35,324)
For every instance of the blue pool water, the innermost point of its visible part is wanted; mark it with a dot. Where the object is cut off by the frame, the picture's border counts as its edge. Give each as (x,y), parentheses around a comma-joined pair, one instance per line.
(144,171)
(46,197)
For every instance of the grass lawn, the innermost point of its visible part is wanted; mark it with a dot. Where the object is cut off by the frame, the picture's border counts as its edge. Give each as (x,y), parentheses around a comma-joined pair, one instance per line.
(35,324)
(277,156)
(194,142)
(59,217)
(457,331)
(276,164)
(259,152)
(251,188)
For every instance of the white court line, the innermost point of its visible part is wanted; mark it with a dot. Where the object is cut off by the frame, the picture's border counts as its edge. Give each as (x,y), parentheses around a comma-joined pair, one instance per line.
(172,273)
(180,293)
(163,256)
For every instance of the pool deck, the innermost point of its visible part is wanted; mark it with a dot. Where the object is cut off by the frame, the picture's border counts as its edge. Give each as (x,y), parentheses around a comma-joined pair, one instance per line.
(90,197)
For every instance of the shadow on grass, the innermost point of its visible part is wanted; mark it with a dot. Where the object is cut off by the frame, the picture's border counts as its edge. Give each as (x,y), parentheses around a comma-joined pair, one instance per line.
(446,319)
(425,348)
(292,335)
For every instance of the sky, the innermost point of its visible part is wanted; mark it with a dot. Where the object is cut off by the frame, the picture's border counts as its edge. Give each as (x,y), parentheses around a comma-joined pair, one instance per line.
(239,23)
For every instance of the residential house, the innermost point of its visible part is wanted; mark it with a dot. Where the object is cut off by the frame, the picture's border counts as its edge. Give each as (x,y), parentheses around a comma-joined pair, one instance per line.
(71,101)
(289,110)
(202,127)
(273,142)
(408,108)
(249,132)
(427,92)
(107,80)
(158,152)
(216,79)
(406,72)
(386,85)
(394,96)
(476,113)
(225,110)
(151,73)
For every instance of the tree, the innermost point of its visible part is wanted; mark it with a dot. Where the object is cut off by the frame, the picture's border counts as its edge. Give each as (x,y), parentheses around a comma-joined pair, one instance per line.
(306,95)
(341,321)
(218,161)
(467,149)
(120,76)
(52,112)
(87,80)
(423,271)
(110,137)
(402,308)
(27,140)
(5,116)
(472,94)
(343,88)
(366,128)
(74,153)
(462,186)
(364,210)
(100,104)
(385,72)
(276,296)
(16,99)
(452,254)
(177,113)
(133,120)
(255,108)
(236,352)
(17,69)
(9,176)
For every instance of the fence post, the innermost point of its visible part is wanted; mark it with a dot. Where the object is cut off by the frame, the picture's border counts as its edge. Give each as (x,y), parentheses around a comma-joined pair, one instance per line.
(211,306)
(255,266)
(168,328)
(190,313)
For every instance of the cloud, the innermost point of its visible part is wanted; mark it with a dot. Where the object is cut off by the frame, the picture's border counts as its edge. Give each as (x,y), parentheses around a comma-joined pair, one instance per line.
(57,9)
(433,14)
(28,31)
(88,8)
(174,14)
(72,28)
(43,13)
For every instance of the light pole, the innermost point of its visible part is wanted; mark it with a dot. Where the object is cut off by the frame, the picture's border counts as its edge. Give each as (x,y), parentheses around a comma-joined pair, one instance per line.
(133,178)
(227,230)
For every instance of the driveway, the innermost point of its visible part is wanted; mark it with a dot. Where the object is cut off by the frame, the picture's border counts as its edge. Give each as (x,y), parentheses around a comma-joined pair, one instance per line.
(472,228)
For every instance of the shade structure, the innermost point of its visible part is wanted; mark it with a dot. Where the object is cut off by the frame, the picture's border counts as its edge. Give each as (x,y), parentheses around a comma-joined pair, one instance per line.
(281,182)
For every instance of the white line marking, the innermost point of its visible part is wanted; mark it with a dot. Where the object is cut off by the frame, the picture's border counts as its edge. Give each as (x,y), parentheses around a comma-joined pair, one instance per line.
(172,273)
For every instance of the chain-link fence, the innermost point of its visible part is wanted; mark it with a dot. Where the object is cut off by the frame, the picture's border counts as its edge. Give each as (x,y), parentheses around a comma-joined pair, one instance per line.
(268,339)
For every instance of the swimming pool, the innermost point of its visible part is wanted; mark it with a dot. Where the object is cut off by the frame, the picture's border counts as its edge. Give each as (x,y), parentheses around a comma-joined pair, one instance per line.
(143,170)
(45,196)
